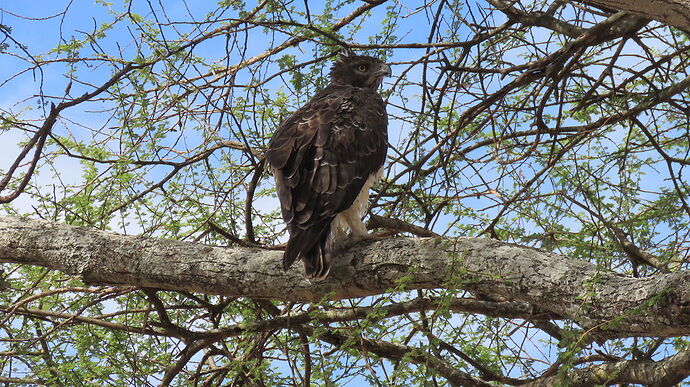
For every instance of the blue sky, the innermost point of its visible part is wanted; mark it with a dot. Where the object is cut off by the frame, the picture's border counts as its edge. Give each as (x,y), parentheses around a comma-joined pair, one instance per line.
(41,29)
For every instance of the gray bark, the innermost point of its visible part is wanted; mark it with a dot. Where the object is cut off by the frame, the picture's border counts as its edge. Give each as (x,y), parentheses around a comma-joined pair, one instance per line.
(664,373)
(616,305)
(671,12)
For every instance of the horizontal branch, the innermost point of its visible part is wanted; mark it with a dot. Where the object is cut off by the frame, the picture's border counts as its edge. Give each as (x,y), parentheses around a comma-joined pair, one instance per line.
(399,352)
(671,12)
(577,290)
(496,309)
(666,372)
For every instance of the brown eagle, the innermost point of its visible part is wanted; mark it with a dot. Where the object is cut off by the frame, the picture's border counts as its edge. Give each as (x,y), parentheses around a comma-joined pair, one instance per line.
(326,156)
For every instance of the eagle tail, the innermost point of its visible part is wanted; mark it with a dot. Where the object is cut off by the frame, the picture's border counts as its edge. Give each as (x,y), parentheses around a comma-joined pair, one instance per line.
(315,247)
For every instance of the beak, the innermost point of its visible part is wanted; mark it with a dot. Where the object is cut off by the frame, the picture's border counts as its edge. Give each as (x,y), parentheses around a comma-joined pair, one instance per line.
(384,70)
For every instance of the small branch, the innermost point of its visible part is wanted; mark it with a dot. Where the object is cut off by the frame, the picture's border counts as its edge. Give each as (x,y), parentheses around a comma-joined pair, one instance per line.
(240,242)
(183,359)
(539,19)
(396,352)
(83,319)
(248,212)
(495,309)
(38,140)
(376,221)
(637,256)
(24,381)
(162,312)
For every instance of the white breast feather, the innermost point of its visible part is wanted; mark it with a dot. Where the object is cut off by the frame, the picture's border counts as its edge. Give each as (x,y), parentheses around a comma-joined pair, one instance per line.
(352,217)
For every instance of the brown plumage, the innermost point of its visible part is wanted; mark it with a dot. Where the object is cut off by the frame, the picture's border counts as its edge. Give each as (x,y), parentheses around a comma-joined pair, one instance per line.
(326,156)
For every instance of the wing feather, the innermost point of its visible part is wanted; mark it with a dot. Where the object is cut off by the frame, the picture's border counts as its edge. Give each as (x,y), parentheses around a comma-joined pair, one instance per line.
(322,156)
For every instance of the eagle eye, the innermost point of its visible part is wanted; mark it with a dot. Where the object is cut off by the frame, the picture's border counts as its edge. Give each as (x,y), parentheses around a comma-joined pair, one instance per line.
(362,67)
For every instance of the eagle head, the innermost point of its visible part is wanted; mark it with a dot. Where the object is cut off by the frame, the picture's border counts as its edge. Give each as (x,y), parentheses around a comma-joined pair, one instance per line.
(358,70)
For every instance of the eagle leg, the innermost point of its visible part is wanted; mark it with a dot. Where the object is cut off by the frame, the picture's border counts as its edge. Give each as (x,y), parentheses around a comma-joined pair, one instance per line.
(354,221)
(352,217)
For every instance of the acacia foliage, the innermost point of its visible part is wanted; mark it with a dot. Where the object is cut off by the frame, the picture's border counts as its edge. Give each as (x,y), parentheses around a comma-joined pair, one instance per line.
(554,125)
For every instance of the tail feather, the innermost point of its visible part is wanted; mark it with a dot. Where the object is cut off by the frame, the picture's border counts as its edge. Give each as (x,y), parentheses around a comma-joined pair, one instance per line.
(315,247)
(317,262)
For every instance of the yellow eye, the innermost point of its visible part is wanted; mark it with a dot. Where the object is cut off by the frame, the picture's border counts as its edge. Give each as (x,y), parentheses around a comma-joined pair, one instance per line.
(362,68)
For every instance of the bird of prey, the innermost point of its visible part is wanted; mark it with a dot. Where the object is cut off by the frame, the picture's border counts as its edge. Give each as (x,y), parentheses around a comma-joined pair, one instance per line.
(326,156)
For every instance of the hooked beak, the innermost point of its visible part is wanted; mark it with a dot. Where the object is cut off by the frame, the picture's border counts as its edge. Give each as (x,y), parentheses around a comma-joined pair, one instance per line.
(384,70)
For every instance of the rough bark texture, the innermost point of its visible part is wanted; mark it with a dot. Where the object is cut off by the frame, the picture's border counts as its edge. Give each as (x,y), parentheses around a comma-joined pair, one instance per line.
(667,372)
(672,12)
(621,306)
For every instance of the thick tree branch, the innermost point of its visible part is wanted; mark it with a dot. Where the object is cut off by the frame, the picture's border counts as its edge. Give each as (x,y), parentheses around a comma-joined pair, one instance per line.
(613,304)
(666,372)
(672,12)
